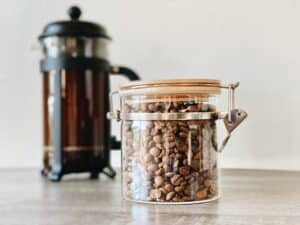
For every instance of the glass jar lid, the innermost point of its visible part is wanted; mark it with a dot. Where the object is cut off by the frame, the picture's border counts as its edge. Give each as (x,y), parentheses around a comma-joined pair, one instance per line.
(74,27)
(172,86)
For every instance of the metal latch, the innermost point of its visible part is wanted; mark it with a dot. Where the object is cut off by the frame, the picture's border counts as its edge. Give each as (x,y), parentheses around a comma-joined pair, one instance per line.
(237,116)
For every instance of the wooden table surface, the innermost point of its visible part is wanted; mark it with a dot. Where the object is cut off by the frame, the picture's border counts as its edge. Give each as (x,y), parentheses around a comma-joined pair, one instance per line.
(249,197)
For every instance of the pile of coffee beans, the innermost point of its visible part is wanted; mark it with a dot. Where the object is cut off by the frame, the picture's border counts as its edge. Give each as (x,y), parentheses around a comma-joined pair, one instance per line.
(169,161)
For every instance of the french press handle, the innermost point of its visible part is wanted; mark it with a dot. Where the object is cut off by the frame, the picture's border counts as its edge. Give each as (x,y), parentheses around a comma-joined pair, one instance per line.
(131,75)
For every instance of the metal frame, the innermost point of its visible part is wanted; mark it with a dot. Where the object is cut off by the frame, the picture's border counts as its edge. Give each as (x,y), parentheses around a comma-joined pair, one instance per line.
(57,166)
(57,65)
(65,62)
(169,116)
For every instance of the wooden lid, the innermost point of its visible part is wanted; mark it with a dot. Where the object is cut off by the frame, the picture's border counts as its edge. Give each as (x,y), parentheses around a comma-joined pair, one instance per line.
(174,86)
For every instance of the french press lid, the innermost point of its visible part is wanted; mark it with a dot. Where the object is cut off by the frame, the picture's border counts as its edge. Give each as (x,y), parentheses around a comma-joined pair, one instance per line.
(74,27)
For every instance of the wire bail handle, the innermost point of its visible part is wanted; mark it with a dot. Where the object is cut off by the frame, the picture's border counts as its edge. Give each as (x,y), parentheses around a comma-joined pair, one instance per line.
(231,98)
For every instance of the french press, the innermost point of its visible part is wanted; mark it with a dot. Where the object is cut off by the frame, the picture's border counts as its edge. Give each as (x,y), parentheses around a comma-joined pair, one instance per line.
(76,74)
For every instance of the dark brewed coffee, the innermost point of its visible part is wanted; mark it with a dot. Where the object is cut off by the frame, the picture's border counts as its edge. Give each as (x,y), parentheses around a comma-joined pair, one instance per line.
(84,103)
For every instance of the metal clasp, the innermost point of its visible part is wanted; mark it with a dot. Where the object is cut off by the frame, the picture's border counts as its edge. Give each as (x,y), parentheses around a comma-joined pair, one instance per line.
(233,118)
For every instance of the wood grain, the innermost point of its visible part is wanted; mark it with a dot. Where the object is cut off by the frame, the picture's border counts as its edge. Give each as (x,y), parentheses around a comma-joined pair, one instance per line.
(250,197)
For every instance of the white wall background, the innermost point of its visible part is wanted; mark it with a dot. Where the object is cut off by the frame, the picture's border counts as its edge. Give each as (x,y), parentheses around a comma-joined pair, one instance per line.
(256,42)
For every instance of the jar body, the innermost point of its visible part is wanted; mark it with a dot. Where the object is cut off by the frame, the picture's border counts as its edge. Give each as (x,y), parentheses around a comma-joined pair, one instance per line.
(84,101)
(169,161)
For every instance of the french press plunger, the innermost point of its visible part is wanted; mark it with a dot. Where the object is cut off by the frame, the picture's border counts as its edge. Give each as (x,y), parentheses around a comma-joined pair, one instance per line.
(76,90)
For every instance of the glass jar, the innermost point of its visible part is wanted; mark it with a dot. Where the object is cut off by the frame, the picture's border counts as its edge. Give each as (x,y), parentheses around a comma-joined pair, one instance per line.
(169,140)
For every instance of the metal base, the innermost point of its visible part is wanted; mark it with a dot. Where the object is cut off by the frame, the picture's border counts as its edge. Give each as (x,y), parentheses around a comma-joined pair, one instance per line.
(44,173)
(51,175)
(94,175)
(56,177)
(109,171)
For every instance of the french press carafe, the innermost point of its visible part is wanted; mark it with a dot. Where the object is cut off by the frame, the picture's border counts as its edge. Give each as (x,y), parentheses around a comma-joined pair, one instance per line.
(76,90)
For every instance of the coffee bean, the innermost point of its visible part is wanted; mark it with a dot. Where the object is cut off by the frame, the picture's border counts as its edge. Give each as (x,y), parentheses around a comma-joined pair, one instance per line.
(178,156)
(158,181)
(183,183)
(151,144)
(184,129)
(192,108)
(152,168)
(170,195)
(163,190)
(183,134)
(202,194)
(176,163)
(175,178)
(151,107)
(196,164)
(169,187)
(148,158)
(167,170)
(170,144)
(200,180)
(179,188)
(185,170)
(188,191)
(178,181)
(154,151)
(185,162)
(169,174)
(158,172)
(157,139)
(187,198)
(177,199)
(155,194)
(166,159)
(156,160)
(207,183)
(160,107)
